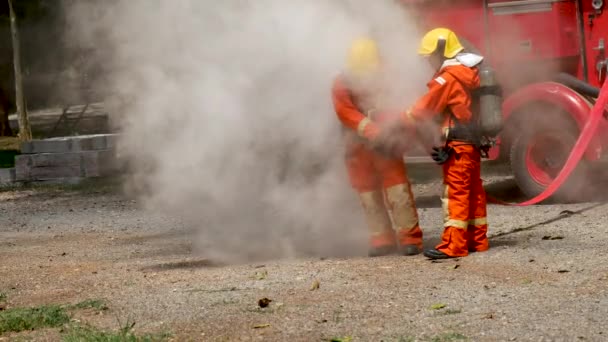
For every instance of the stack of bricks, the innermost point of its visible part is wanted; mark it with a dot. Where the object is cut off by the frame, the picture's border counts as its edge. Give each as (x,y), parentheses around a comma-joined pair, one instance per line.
(66,159)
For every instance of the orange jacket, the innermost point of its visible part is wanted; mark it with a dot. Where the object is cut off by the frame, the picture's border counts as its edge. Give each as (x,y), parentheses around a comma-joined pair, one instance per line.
(355,110)
(448,93)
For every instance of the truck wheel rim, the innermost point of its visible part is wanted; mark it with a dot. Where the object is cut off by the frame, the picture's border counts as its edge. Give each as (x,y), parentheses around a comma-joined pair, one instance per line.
(545,157)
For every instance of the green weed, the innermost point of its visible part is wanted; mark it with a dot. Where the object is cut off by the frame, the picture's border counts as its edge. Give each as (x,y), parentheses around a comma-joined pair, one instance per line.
(341,339)
(91,303)
(450,312)
(86,333)
(52,316)
(20,319)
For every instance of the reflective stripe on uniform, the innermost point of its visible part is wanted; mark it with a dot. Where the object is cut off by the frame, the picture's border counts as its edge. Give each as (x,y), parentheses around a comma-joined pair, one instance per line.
(456,223)
(361,127)
(440,80)
(449,222)
(478,221)
(445,204)
(446,131)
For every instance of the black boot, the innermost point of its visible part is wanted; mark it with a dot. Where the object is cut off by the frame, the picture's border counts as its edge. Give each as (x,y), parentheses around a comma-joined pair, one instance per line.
(435,254)
(409,250)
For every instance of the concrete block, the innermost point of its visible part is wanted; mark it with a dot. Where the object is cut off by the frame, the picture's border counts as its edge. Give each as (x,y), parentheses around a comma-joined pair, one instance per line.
(99,163)
(45,166)
(23,164)
(46,146)
(62,181)
(54,172)
(7,176)
(111,141)
(103,141)
(92,142)
(55,159)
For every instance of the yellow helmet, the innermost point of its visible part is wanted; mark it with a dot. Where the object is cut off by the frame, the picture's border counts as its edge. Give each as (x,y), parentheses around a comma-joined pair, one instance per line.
(363,57)
(440,39)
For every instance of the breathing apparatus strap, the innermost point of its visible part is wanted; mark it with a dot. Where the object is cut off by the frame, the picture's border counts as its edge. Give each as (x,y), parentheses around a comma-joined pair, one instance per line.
(487,90)
(463,134)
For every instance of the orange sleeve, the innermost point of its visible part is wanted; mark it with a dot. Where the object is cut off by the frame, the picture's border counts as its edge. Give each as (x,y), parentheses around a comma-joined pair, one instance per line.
(436,99)
(349,114)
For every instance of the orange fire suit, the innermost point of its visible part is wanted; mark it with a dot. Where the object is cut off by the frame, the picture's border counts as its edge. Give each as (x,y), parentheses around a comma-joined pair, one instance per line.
(463,199)
(380,180)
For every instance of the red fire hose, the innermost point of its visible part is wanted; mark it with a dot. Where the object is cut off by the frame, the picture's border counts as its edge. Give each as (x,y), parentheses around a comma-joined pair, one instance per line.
(575,155)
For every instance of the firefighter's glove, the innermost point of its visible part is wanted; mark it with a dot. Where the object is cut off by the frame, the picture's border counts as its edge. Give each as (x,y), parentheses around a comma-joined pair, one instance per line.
(441,154)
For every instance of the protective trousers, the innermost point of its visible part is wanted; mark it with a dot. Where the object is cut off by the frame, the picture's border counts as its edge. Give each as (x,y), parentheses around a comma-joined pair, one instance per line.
(385,194)
(464,203)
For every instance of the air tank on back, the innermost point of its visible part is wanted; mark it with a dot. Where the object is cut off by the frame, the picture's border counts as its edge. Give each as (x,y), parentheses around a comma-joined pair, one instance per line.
(490,103)
(489,118)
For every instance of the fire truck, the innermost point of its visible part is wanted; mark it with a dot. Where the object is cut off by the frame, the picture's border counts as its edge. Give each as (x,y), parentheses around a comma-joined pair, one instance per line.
(549,57)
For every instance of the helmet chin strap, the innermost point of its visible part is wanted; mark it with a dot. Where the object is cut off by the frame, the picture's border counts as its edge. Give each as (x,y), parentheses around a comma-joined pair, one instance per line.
(441,48)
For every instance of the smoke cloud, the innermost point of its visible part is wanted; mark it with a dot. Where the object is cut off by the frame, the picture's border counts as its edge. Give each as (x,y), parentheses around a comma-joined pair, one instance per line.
(226,115)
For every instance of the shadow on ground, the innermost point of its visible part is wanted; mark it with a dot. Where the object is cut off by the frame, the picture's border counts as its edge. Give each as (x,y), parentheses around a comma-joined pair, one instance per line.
(184,265)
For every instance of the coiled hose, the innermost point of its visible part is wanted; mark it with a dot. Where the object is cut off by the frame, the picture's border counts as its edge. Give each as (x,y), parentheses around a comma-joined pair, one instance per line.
(582,143)
(584,139)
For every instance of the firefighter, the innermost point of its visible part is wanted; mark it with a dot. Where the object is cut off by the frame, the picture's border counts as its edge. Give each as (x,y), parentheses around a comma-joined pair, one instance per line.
(449,101)
(376,170)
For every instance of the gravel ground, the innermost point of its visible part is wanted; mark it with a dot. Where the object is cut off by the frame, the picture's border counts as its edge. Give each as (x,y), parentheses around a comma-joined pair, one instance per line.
(545,277)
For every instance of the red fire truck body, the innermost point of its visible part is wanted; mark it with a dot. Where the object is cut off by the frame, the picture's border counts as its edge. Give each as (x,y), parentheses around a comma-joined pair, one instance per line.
(550,59)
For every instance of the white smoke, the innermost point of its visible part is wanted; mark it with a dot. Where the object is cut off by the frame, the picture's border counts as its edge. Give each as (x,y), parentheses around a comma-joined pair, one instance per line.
(225,110)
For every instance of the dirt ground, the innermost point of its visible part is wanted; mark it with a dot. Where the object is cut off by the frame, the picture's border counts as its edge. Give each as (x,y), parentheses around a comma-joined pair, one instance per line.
(545,277)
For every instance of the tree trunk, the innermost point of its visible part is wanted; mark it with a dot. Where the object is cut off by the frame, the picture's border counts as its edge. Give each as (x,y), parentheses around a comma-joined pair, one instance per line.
(25,132)
(5,128)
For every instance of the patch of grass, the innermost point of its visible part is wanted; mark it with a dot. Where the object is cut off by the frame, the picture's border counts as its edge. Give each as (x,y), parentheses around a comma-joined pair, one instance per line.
(341,339)
(20,319)
(2,297)
(448,337)
(450,312)
(94,185)
(87,333)
(91,303)
(53,316)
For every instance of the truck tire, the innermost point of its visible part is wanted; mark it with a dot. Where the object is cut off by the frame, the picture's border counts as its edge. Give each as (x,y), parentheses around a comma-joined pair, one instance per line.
(538,152)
